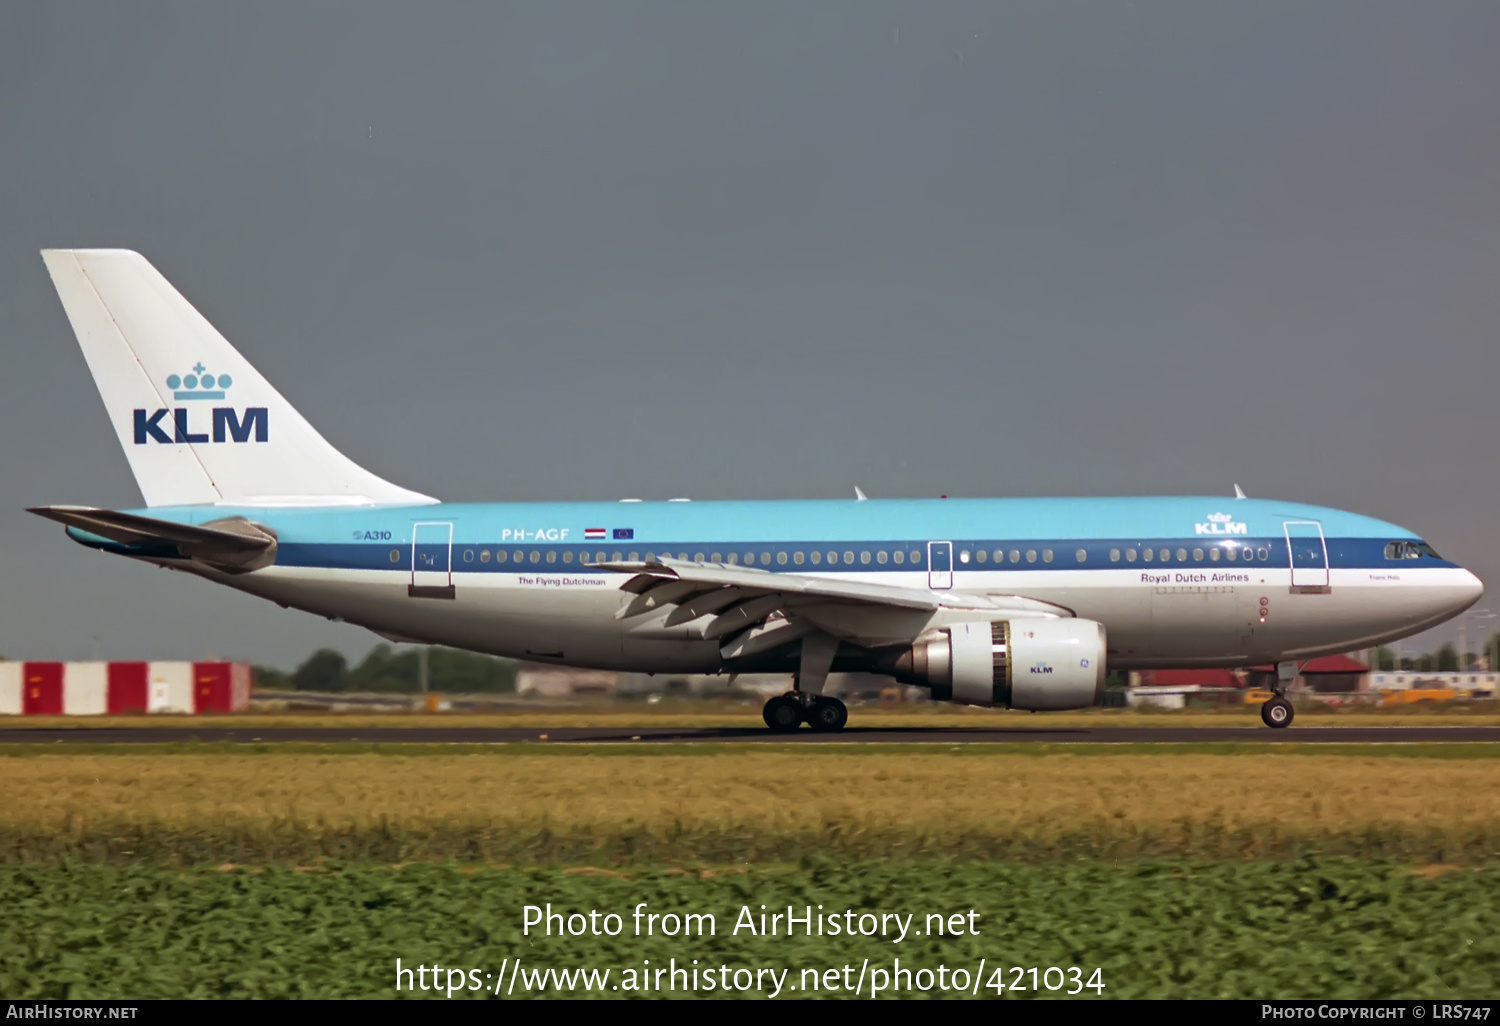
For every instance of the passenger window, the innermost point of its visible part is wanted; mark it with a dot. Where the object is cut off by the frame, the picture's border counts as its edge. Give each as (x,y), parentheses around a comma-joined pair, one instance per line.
(916,556)
(1231,553)
(552,555)
(1182,555)
(797,557)
(1031,555)
(1114,555)
(1213,555)
(717,557)
(815,556)
(864,557)
(484,556)
(963,556)
(536,557)
(568,556)
(635,557)
(734,559)
(880,557)
(1130,555)
(981,555)
(1082,555)
(1015,555)
(1166,554)
(765,559)
(833,558)
(898,557)
(697,557)
(1046,555)
(999,556)
(749,559)
(781,559)
(848,558)
(651,557)
(501,555)
(1148,554)
(468,555)
(1262,554)
(1197,555)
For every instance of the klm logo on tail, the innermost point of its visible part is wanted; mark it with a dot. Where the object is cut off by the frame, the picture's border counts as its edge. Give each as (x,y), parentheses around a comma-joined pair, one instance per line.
(228,423)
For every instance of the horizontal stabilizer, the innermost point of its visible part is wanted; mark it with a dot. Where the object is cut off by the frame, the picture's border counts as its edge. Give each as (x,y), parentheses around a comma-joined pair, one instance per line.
(233,544)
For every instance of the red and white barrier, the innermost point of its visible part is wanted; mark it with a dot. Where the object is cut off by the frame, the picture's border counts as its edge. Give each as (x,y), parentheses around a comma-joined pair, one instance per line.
(98,689)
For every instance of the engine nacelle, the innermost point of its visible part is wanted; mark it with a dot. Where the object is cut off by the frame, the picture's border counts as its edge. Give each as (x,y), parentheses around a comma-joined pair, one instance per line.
(1020,664)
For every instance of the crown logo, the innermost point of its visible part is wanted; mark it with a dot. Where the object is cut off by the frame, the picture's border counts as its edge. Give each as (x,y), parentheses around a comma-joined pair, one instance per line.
(1220,518)
(198,384)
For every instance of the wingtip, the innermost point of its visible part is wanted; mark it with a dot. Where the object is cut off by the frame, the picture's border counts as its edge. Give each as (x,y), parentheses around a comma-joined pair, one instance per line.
(1239,493)
(859,494)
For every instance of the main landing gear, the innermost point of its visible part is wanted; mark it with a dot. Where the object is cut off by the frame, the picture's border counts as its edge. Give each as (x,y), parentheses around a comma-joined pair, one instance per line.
(1277,712)
(806,703)
(823,713)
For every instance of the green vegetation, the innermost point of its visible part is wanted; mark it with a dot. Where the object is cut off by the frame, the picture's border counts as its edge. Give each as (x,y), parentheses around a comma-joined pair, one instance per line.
(1317,928)
(384,670)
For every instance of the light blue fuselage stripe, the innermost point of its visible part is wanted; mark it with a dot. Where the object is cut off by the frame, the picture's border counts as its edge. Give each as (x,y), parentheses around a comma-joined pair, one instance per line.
(380,538)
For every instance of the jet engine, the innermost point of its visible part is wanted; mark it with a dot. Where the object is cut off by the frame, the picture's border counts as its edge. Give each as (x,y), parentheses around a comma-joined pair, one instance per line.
(1020,664)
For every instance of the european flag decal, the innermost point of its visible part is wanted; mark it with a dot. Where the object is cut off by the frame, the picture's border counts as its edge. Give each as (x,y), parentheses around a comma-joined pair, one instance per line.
(624,533)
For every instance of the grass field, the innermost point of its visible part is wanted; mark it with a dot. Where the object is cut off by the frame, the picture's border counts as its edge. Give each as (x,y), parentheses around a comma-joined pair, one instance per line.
(1177,871)
(683,713)
(515,805)
(1315,928)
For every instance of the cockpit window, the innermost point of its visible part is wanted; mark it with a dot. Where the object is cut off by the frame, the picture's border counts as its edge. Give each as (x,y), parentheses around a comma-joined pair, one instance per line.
(1410,550)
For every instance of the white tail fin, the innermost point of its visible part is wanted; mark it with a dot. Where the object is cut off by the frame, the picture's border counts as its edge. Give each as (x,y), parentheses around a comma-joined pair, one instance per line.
(197,421)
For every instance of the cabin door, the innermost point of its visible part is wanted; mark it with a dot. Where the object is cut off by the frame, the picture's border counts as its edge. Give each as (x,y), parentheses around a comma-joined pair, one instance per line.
(940,565)
(431,561)
(1307,550)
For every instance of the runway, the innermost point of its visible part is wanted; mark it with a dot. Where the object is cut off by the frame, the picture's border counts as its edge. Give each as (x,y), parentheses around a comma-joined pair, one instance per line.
(747,735)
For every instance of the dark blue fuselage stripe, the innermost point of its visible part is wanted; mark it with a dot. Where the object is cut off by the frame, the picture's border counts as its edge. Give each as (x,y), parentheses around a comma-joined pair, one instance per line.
(1343,553)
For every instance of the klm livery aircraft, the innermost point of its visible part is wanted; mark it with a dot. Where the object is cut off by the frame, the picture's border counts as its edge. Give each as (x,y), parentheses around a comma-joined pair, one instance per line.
(1023,603)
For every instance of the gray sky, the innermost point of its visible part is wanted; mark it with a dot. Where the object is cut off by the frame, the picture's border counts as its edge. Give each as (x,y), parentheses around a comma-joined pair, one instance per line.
(582,250)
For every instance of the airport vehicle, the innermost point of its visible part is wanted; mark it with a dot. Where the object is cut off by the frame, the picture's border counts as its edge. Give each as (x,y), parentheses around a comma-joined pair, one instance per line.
(1024,603)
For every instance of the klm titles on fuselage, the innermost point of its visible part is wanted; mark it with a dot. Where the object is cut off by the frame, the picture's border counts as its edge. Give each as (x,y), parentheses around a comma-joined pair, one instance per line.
(227,425)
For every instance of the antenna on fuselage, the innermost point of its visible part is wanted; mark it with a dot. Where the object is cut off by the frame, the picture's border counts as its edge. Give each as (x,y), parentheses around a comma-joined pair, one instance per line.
(1239,493)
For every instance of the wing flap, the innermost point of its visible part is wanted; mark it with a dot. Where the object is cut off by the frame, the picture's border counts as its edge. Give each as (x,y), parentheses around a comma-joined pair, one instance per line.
(744,602)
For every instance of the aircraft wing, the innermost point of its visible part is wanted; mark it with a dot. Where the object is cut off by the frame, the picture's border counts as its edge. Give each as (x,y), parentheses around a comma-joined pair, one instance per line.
(754,611)
(233,544)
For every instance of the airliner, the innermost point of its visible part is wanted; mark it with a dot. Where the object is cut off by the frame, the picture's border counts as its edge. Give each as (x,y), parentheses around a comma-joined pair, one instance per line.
(1013,602)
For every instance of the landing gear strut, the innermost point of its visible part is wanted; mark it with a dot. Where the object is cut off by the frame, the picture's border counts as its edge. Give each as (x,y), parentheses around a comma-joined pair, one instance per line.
(1277,712)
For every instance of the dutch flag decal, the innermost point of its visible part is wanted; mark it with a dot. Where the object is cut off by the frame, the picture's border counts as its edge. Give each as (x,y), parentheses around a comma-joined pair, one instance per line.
(594,533)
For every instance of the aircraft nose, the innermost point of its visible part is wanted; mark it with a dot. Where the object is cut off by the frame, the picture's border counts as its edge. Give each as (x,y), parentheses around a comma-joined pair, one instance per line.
(1470,589)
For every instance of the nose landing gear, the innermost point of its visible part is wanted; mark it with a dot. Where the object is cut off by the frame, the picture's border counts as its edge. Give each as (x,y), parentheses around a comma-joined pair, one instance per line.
(1277,712)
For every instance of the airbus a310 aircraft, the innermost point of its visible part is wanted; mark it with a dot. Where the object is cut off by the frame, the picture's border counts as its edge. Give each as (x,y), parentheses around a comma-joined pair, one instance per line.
(1023,603)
